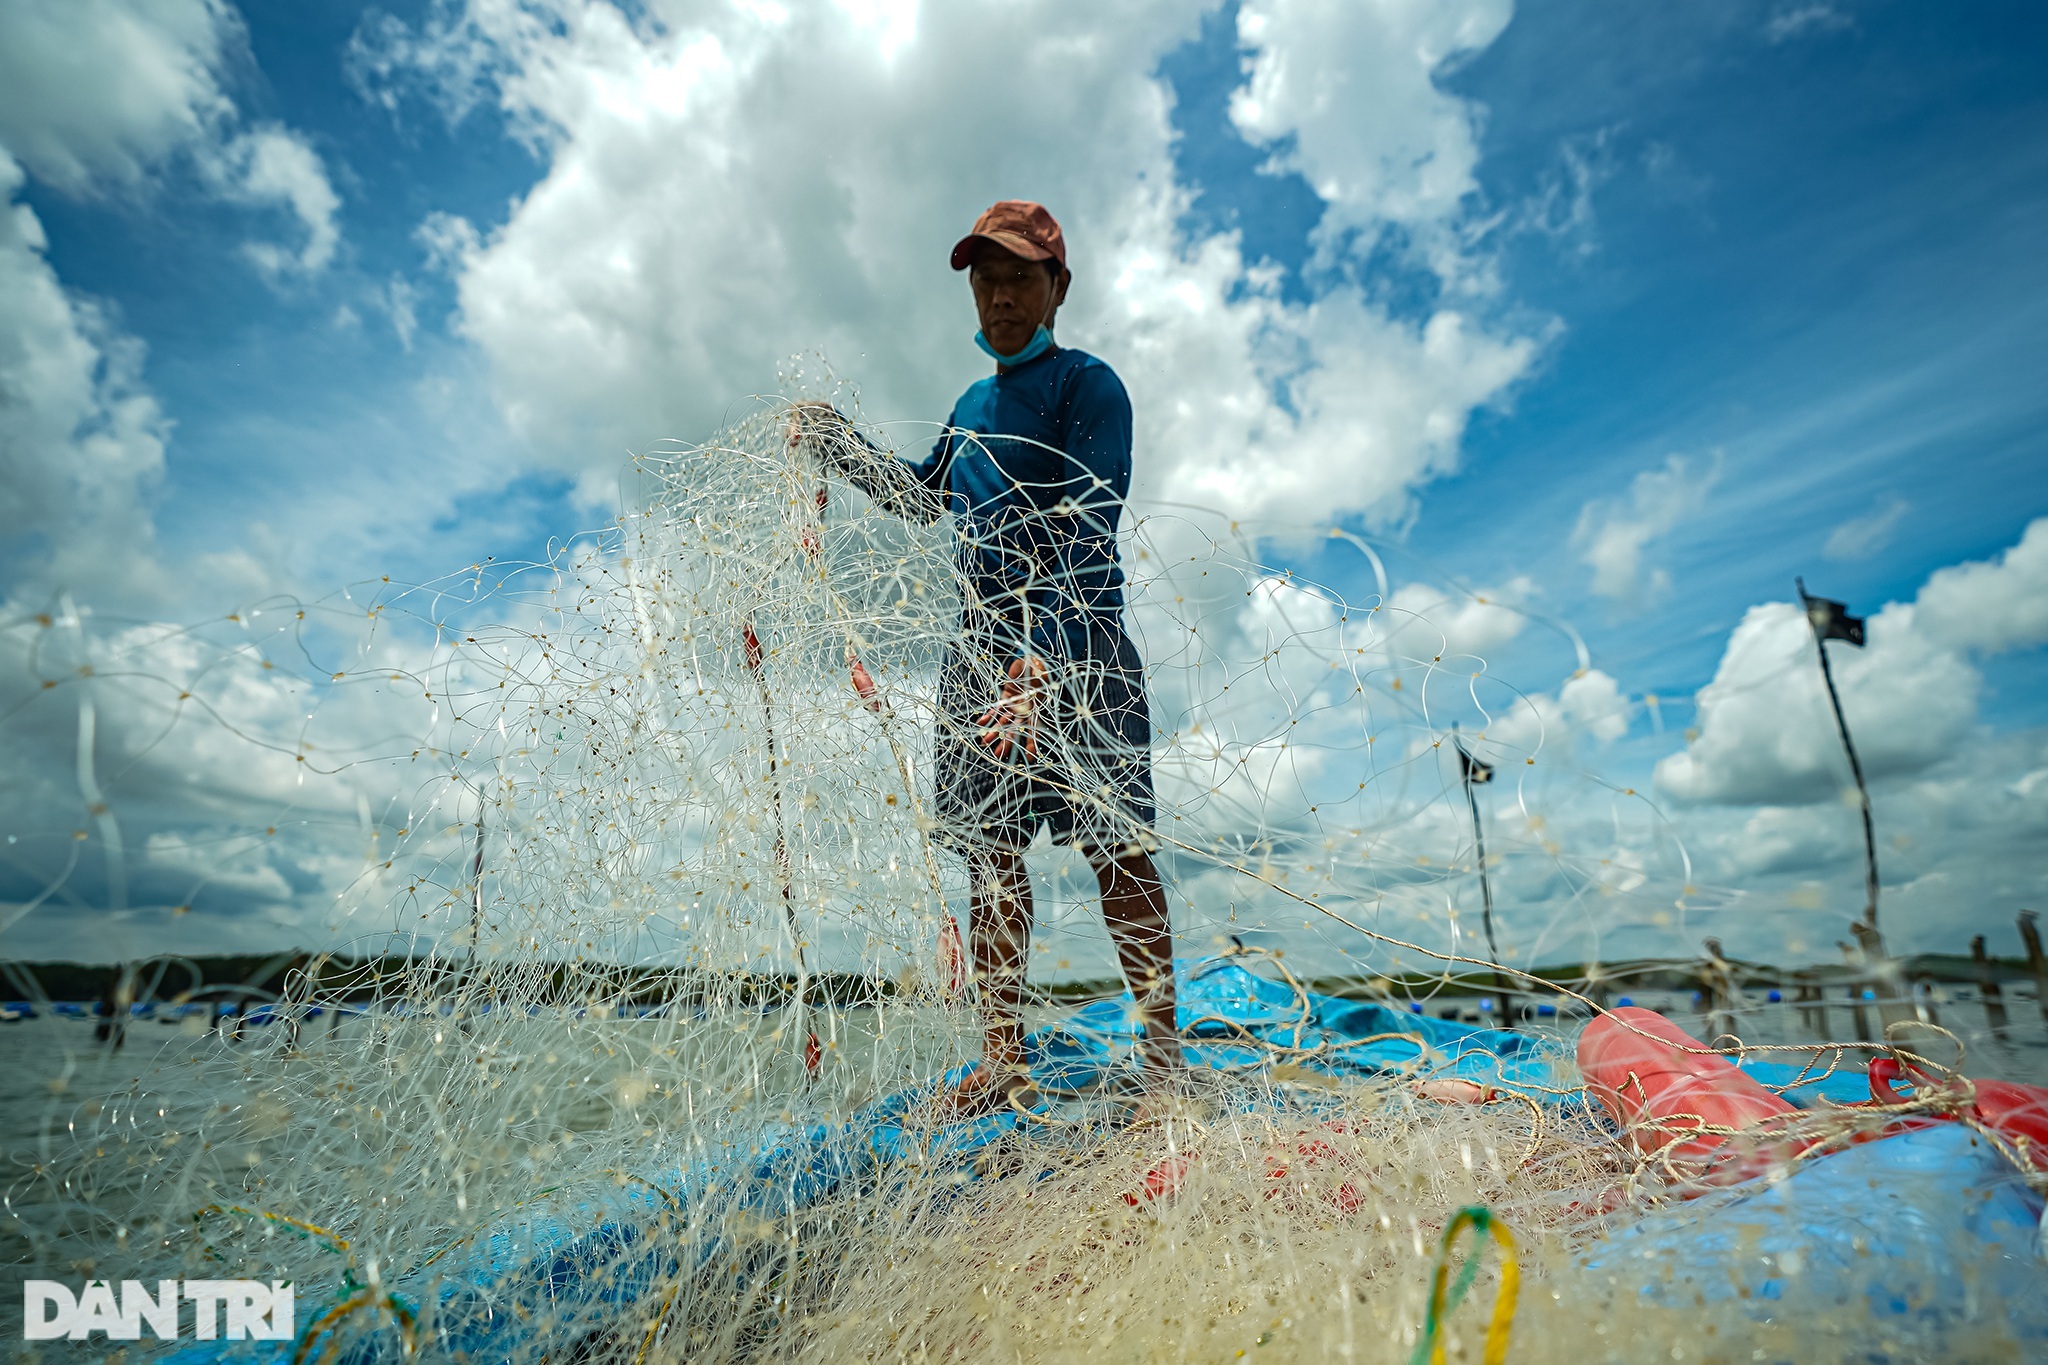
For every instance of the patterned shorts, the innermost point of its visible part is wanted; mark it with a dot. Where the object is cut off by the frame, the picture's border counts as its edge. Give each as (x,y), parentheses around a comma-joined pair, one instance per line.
(1091,780)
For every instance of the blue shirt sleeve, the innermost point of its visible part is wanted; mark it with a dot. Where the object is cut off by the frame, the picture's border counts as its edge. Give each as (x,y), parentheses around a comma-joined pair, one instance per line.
(930,472)
(1079,575)
(881,475)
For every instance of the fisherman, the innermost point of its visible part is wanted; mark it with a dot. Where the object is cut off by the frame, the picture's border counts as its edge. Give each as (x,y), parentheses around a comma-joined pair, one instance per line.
(112,1009)
(1041,703)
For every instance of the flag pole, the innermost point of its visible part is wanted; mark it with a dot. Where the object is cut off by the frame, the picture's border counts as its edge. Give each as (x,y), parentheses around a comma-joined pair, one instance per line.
(1820,616)
(1471,771)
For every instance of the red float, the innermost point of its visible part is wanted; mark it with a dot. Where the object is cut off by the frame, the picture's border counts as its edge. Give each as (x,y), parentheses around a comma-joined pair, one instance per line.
(1662,1084)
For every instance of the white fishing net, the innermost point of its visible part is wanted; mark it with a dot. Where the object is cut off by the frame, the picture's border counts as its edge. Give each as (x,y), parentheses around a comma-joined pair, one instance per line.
(648,890)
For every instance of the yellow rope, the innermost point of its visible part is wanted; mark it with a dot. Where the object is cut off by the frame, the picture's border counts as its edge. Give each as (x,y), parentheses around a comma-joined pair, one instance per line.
(334,1240)
(1444,1297)
(654,1325)
(372,1298)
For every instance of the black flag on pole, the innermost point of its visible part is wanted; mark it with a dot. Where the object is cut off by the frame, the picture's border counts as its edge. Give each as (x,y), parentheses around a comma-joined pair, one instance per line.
(1830,619)
(1472,769)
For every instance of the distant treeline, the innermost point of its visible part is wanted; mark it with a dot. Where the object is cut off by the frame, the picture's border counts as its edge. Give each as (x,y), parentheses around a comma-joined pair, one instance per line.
(358,980)
(1680,974)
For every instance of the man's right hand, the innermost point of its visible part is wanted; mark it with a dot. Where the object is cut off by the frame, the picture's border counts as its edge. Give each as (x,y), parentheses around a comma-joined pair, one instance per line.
(1015,714)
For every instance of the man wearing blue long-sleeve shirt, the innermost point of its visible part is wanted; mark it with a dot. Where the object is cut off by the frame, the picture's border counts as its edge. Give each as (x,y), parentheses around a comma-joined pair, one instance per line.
(1041,700)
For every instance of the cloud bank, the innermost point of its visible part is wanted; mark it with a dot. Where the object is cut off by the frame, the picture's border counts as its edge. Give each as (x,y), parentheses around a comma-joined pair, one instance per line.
(729,185)
(106,98)
(1910,697)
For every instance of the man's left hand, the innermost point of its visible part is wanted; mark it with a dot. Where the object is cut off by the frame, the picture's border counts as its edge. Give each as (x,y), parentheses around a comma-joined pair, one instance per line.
(813,419)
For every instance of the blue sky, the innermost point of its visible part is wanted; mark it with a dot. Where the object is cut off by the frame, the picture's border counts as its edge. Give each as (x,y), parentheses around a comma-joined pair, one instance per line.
(1794,247)
(1819,257)
(275,400)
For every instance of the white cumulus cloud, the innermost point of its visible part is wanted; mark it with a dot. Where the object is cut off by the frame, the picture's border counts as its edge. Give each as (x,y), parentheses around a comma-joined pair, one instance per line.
(1862,537)
(99,95)
(1992,604)
(1347,95)
(728,185)
(99,92)
(81,440)
(1593,702)
(1613,535)
(275,167)
(1590,702)
(1423,619)
(1766,734)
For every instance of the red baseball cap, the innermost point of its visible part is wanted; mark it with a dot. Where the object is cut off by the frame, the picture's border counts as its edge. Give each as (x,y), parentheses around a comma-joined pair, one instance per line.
(1018,226)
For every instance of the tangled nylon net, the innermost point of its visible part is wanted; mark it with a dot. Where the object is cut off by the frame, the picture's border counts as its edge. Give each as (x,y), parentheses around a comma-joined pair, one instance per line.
(653,848)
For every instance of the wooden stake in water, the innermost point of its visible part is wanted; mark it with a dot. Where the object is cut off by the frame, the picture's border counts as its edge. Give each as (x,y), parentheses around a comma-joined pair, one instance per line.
(1988,988)
(2037,961)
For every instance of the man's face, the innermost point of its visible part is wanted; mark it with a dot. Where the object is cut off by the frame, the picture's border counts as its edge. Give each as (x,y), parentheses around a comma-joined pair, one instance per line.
(1013,296)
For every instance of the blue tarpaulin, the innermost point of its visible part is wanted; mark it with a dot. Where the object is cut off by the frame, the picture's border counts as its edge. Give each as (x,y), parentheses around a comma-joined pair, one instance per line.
(578,1263)
(1918,1239)
(581,1264)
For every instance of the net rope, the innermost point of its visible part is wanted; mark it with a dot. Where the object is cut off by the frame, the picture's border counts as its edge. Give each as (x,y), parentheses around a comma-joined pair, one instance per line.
(652,864)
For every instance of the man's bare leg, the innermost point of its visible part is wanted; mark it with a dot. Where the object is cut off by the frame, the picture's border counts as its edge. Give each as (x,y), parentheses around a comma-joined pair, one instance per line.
(999,934)
(1134,906)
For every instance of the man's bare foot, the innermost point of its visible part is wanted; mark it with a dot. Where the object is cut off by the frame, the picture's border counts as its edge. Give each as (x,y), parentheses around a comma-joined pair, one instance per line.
(1155,1107)
(1165,1092)
(985,1090)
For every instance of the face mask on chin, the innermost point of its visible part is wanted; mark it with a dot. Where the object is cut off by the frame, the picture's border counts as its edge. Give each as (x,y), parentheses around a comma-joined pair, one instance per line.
(1040,343)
